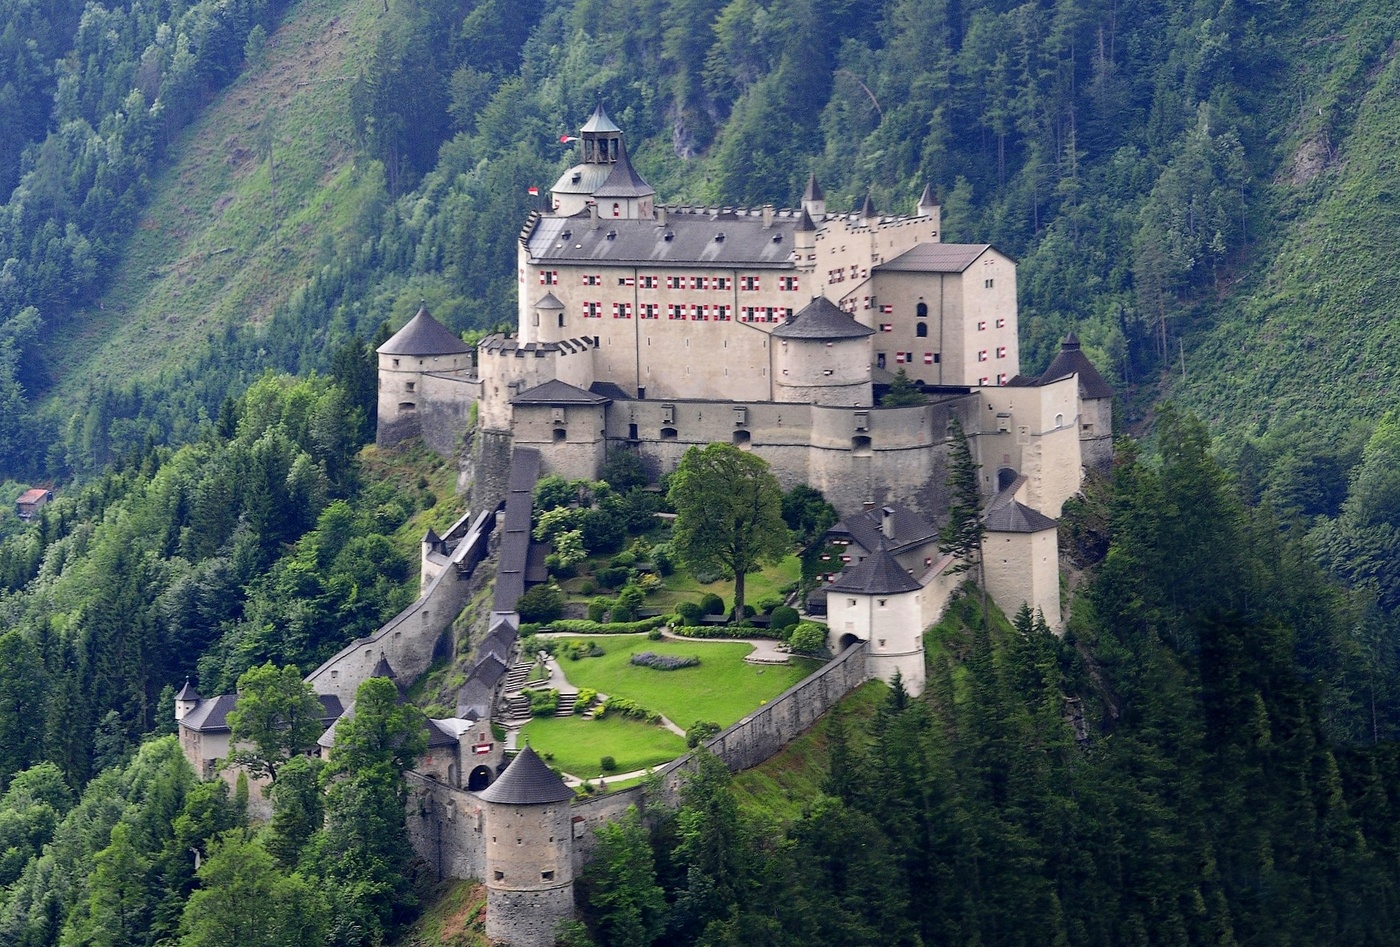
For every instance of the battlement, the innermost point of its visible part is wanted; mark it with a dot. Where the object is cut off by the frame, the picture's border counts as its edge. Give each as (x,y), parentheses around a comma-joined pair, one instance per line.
(509,345)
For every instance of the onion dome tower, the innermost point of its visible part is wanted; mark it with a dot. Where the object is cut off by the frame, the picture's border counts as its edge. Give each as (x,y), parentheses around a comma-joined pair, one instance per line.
(529,853)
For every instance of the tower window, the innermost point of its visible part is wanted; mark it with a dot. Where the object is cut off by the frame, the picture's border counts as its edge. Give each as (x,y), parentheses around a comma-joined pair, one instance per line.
(921,310)
(546,876)
(921,330)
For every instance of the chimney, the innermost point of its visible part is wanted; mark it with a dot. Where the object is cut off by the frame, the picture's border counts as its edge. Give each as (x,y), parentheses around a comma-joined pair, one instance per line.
(661,215)
(767,216)
(868,505)
(593,213)
(887,522)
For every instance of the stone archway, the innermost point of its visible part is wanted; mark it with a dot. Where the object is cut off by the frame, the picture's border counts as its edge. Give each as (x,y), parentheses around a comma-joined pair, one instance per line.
(847,640)
(480,778)
(1005,477)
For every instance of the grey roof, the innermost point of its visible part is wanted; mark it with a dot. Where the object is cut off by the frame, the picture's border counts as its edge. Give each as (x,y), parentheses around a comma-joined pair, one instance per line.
(424,335)
(188,692)
(609,390)
(527,781)
(927,199)
(624,181)
(582,178)
(555,391)
(814,190)
(331,708)
(211,714)
(865,528)
(474,700)
(805,224)
(822,319)
(700,237)
(437,736)
(1015,517)
(488,670)
(936,258)
(867,209)
(549,301)
(1072,360)
(599,121)
(877,574)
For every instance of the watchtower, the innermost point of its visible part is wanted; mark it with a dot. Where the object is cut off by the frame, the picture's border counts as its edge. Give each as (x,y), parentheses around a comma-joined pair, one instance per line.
(529,853)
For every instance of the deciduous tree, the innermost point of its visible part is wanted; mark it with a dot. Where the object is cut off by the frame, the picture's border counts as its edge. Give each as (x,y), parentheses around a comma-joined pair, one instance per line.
(277,714)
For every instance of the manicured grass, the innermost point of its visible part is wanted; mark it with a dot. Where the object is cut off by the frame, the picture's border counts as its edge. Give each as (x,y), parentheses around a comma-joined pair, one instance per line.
(722,688)
(680,586)
(577,746)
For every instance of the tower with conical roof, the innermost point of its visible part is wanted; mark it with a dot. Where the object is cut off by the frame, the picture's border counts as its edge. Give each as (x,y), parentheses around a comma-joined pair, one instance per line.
(605,178)
(407,362)
(529,853)
(877,601)
(822,356)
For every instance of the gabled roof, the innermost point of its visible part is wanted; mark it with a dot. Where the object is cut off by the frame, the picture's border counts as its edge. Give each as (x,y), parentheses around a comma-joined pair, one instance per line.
(610,390)
(599,121)
(474,701)
(437,736)
(33,495)
(624,181)
(488,670)
(423,335)
(877,574)
(555,391)
(211,714)
(821,319)
(866,528)
(936,258)
(722,237)
(527,781)
(1070,361)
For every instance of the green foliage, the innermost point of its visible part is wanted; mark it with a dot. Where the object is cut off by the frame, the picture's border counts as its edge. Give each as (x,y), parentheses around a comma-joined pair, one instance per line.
(277,713)
(245,898)
(728,513)
(700,731)
(961,535)
(808,637)
(543,703)
(711,604)
(690,613)
(782,618)
(541,603)
(902,393)
(628,906)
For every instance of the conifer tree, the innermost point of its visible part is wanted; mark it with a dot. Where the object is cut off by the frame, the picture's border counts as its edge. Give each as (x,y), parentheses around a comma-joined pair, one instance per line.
(961,535)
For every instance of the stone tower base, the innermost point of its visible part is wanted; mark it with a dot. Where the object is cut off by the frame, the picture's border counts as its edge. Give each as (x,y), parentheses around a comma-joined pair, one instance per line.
(527,918)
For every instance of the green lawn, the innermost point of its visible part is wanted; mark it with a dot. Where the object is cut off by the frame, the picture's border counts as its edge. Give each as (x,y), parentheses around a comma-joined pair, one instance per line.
(577,746)
(722,688)
(680,586)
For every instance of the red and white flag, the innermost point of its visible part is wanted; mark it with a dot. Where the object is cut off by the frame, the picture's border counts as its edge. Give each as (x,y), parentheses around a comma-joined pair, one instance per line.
(534,191)
(565,139)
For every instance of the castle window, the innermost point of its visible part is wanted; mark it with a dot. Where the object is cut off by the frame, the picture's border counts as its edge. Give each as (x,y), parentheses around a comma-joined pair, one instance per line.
(981,326)
(407,406)
(921,310)
(722,282)
(592,281)
(617,209)
(881,603)
(722,313)
(649,282)
(860,447)
(1001,351)
(648,311)
(887,327)
(921,330)
(560,435)
(675,311)
(748,313)
(675,282)
(546,876)
(741,440)
(850,603)
(988,283)
(787,313)
(561,320)
(396,363)
(930,358)
(700,313)
(498,875)
(622,310)
(592,310)
(982,355)
(1001,323)
(748,283)
(880,360)
(549,277)
(1001,379)
(668,434)
(1059,420)
(899,358)
(408,386)
(787,284)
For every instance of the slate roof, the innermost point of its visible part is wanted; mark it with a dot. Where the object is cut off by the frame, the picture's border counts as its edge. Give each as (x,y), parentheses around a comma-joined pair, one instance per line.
(927,199)
(211,715)
(814,190)
(489,670)
(423,335)
(936,258)
(1015,517)
(549,302)
(700,237)
(188,692)
(1071,360)
(609,390)
(623,180)
(474,701)
(555,391)
(877,574)
(527,781)
(437,736)
(865,528)
(821,319)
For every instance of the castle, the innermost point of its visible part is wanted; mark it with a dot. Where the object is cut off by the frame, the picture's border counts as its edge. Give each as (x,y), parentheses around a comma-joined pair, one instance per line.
(649,328)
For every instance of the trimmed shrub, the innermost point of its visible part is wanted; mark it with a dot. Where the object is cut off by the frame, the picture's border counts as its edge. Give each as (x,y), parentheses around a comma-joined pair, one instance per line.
(808,638)
(711,604)
(608,764)
(544,703)
(541,603)
(663,662)
(625,559)
(629,601)
(586,587)
(654,635)
(580,626)
(661,561)
(613,576)
(748,611)
(625,707)
(586,696)
(768,603)
(783,617)
(690,613)
(598,608)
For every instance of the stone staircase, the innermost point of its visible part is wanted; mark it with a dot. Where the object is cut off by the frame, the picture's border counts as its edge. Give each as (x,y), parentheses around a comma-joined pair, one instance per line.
(515,677)
(566,704)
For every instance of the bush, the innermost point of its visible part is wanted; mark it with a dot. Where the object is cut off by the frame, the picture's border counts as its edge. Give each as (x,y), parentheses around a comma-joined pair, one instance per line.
(625,707)
(663,662)
(624,559)
(544,703)
(654,635)
(612,577)
(586,587)
(541,604)
(699,732)
(782,618)
(768,603)
(690,613)
(661,560)
(586,696)
(808,638)
(580,626)
(557,568)
(748,611)
(629,600)
(608,764)
(598,608)
(711,604)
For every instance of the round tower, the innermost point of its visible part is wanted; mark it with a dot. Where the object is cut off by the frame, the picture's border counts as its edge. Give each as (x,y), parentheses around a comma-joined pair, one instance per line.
(823,357)
(185,701)
(529,853)
(877,601)
(421,347)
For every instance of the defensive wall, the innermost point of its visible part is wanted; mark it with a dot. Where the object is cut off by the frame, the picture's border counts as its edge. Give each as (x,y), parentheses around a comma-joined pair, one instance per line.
(446,824)
(419,634)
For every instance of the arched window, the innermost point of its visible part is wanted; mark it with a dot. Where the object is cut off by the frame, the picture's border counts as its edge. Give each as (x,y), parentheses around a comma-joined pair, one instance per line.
(921,310)
(921,330)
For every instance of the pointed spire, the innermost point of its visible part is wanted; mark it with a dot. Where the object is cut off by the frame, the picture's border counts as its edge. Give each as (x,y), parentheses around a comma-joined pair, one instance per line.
(867,210)
(599,121)
(805,224)
(814,190)
(926,200)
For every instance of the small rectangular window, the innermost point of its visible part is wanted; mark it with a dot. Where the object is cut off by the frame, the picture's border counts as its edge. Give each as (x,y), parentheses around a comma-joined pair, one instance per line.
(982,355)
(987,283)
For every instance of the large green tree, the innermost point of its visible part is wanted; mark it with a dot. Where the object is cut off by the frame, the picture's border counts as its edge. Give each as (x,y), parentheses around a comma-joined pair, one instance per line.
(278,716)
(729,514)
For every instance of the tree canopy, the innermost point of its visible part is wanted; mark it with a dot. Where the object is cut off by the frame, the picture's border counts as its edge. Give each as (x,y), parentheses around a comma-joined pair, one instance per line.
(278,714)
(729,514)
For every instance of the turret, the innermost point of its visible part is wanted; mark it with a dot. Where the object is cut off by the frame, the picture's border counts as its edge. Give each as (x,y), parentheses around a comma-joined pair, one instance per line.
(422,346)
(928,207)
(185,701)
(605,179)
(529,853)
(813,200)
